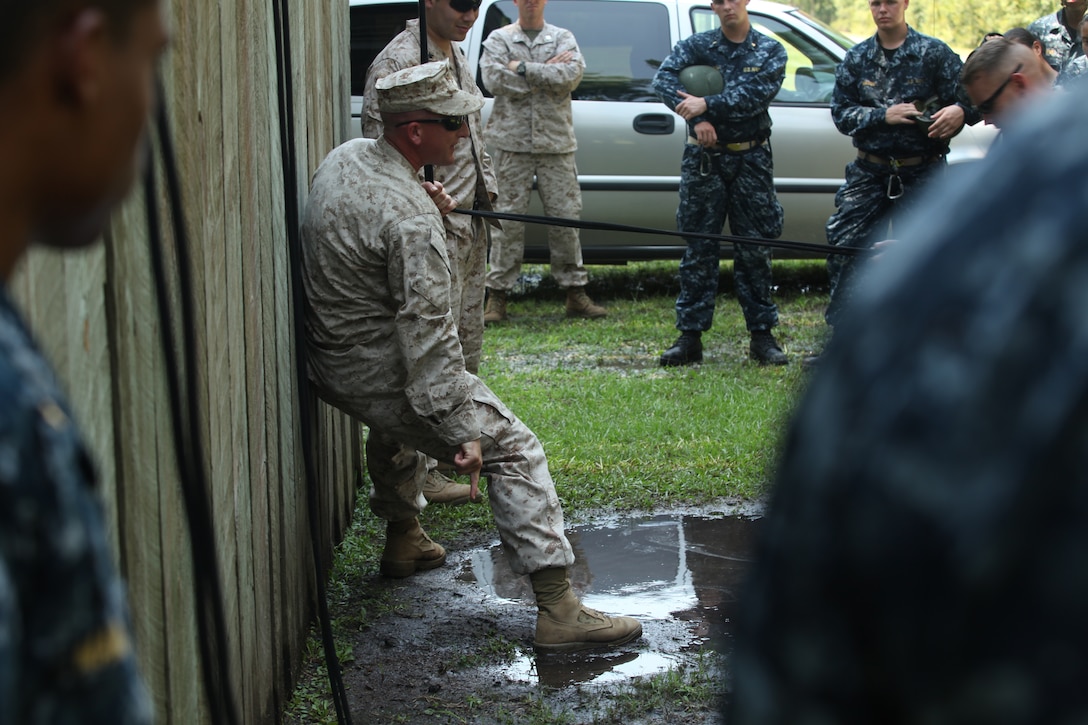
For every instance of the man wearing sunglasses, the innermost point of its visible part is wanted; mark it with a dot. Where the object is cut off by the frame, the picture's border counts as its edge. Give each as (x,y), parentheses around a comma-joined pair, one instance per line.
(999,77)
(382,346)
(898,95)
(468,178)
(531,67)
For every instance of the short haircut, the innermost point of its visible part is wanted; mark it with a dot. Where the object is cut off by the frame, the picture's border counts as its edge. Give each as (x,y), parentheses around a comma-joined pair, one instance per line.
(1023,36)
(993,56)
(22,23)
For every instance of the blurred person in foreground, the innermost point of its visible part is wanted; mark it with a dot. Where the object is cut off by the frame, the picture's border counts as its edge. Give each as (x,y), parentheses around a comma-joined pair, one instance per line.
(382,346)
(76,88)
(531,67)
(925,555)
(1001,78)
(897,94)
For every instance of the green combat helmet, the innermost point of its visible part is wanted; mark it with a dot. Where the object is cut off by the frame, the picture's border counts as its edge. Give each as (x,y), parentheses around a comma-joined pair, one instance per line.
(702,80)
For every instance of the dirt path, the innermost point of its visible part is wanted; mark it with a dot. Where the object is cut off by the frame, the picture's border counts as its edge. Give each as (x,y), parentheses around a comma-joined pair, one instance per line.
(453,651)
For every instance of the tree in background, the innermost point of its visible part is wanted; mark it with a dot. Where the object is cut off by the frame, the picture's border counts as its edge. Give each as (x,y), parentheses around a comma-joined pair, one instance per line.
(960,23)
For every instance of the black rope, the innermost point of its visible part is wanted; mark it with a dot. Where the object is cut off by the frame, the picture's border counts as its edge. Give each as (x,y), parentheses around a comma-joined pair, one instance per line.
(184,415)
(285,92)
(424,56)
(822,249)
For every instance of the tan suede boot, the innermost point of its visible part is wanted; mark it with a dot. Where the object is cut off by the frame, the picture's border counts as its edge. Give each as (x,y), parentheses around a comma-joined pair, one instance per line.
(496,306)
(440,488)
(580,305)
(408,549)
(564,624)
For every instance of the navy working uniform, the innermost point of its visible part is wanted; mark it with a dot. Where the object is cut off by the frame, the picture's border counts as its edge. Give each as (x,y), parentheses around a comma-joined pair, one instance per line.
(1060,42)
(925,556)
(65,639)
(893,160)
(734,179)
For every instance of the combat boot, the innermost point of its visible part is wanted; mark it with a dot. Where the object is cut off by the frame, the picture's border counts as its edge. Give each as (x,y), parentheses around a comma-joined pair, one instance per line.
(564,624)
(764,349)
(496,306)
(687,349)
(439,488)
(408,549)
(580,305)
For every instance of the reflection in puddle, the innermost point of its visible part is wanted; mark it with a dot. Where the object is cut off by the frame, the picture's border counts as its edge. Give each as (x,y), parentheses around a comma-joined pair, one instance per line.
(678,574)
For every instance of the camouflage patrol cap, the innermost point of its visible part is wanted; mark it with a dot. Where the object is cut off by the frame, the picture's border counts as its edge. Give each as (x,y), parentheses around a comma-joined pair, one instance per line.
(428,87)
(702,80)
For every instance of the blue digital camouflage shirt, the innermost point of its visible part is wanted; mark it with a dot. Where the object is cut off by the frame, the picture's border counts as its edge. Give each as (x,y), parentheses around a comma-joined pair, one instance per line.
(65,643)
(1059,44)
(752,72)
(867,83)
(925,556)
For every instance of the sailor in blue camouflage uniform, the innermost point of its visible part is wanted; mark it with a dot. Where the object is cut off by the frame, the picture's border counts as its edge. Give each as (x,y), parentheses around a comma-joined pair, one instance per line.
(726,172)
(898,95)
(925,555)
(1060,33)
(76,83)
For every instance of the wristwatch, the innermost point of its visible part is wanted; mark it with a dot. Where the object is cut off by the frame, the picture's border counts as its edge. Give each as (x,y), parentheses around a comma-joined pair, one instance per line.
(521,68)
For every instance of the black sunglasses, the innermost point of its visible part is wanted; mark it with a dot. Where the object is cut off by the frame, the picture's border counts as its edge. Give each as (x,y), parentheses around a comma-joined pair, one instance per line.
(450,123)
(464,6)
(987,106)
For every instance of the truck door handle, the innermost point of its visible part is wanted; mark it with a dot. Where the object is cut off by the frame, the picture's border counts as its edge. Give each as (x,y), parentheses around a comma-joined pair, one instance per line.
(655,124)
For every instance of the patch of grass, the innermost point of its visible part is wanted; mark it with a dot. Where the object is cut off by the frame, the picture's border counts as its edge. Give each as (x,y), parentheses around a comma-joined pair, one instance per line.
(671,696)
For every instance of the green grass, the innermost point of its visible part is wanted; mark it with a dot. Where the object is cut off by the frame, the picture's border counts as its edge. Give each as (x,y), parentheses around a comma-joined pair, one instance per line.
(621,433)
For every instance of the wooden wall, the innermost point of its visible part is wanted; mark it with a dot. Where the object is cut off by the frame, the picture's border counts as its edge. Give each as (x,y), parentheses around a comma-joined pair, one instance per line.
(95,313)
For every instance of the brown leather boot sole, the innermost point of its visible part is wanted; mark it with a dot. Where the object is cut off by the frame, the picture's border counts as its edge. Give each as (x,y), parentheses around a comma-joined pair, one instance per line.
(402,569)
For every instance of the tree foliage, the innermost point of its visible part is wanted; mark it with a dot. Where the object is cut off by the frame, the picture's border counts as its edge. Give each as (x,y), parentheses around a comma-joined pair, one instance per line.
(960,23)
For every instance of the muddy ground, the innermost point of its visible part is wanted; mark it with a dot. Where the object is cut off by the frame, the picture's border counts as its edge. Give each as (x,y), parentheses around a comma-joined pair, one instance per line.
(454,649)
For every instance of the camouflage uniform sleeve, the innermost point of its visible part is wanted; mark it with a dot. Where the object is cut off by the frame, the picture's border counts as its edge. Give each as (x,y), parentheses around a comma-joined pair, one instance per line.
(65,637)
(372,120)
(747,94)
(848,111)
(499,79)
(666,81)
(436,383)
(949,88)
(558,78)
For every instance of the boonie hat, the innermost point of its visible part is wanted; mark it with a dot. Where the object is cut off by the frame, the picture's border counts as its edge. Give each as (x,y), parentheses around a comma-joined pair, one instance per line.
(702,80)
(428,87)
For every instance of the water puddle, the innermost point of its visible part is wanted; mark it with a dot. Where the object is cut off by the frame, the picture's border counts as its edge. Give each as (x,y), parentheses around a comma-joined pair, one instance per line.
(679,574)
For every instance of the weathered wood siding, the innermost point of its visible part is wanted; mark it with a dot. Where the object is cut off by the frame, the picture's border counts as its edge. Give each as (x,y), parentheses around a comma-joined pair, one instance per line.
(95,313)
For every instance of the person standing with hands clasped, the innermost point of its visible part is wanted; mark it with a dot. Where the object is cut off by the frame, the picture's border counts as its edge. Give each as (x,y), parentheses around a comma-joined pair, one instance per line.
(76,86)
(726,171)
(531,67)
(898,95)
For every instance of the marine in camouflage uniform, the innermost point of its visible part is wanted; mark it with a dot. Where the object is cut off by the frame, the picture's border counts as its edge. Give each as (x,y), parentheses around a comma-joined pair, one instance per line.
(925,554)
(1059,33)
(470,180)
(531,68)
(382,346)
(733,178)
(65,638)
(894,159)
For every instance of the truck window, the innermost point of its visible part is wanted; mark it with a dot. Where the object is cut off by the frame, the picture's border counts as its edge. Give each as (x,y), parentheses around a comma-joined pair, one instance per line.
(810,70)
(372,27)
(623,44)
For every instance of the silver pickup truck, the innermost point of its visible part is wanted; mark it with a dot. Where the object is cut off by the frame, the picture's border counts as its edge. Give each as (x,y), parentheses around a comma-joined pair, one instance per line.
(629,143)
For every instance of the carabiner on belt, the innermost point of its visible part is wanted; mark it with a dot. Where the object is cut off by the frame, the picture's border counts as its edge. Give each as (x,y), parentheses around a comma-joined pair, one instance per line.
(895,183)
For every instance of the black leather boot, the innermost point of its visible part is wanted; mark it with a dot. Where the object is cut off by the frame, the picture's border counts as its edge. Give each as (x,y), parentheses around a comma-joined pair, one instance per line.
(687,349)
(765,350)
